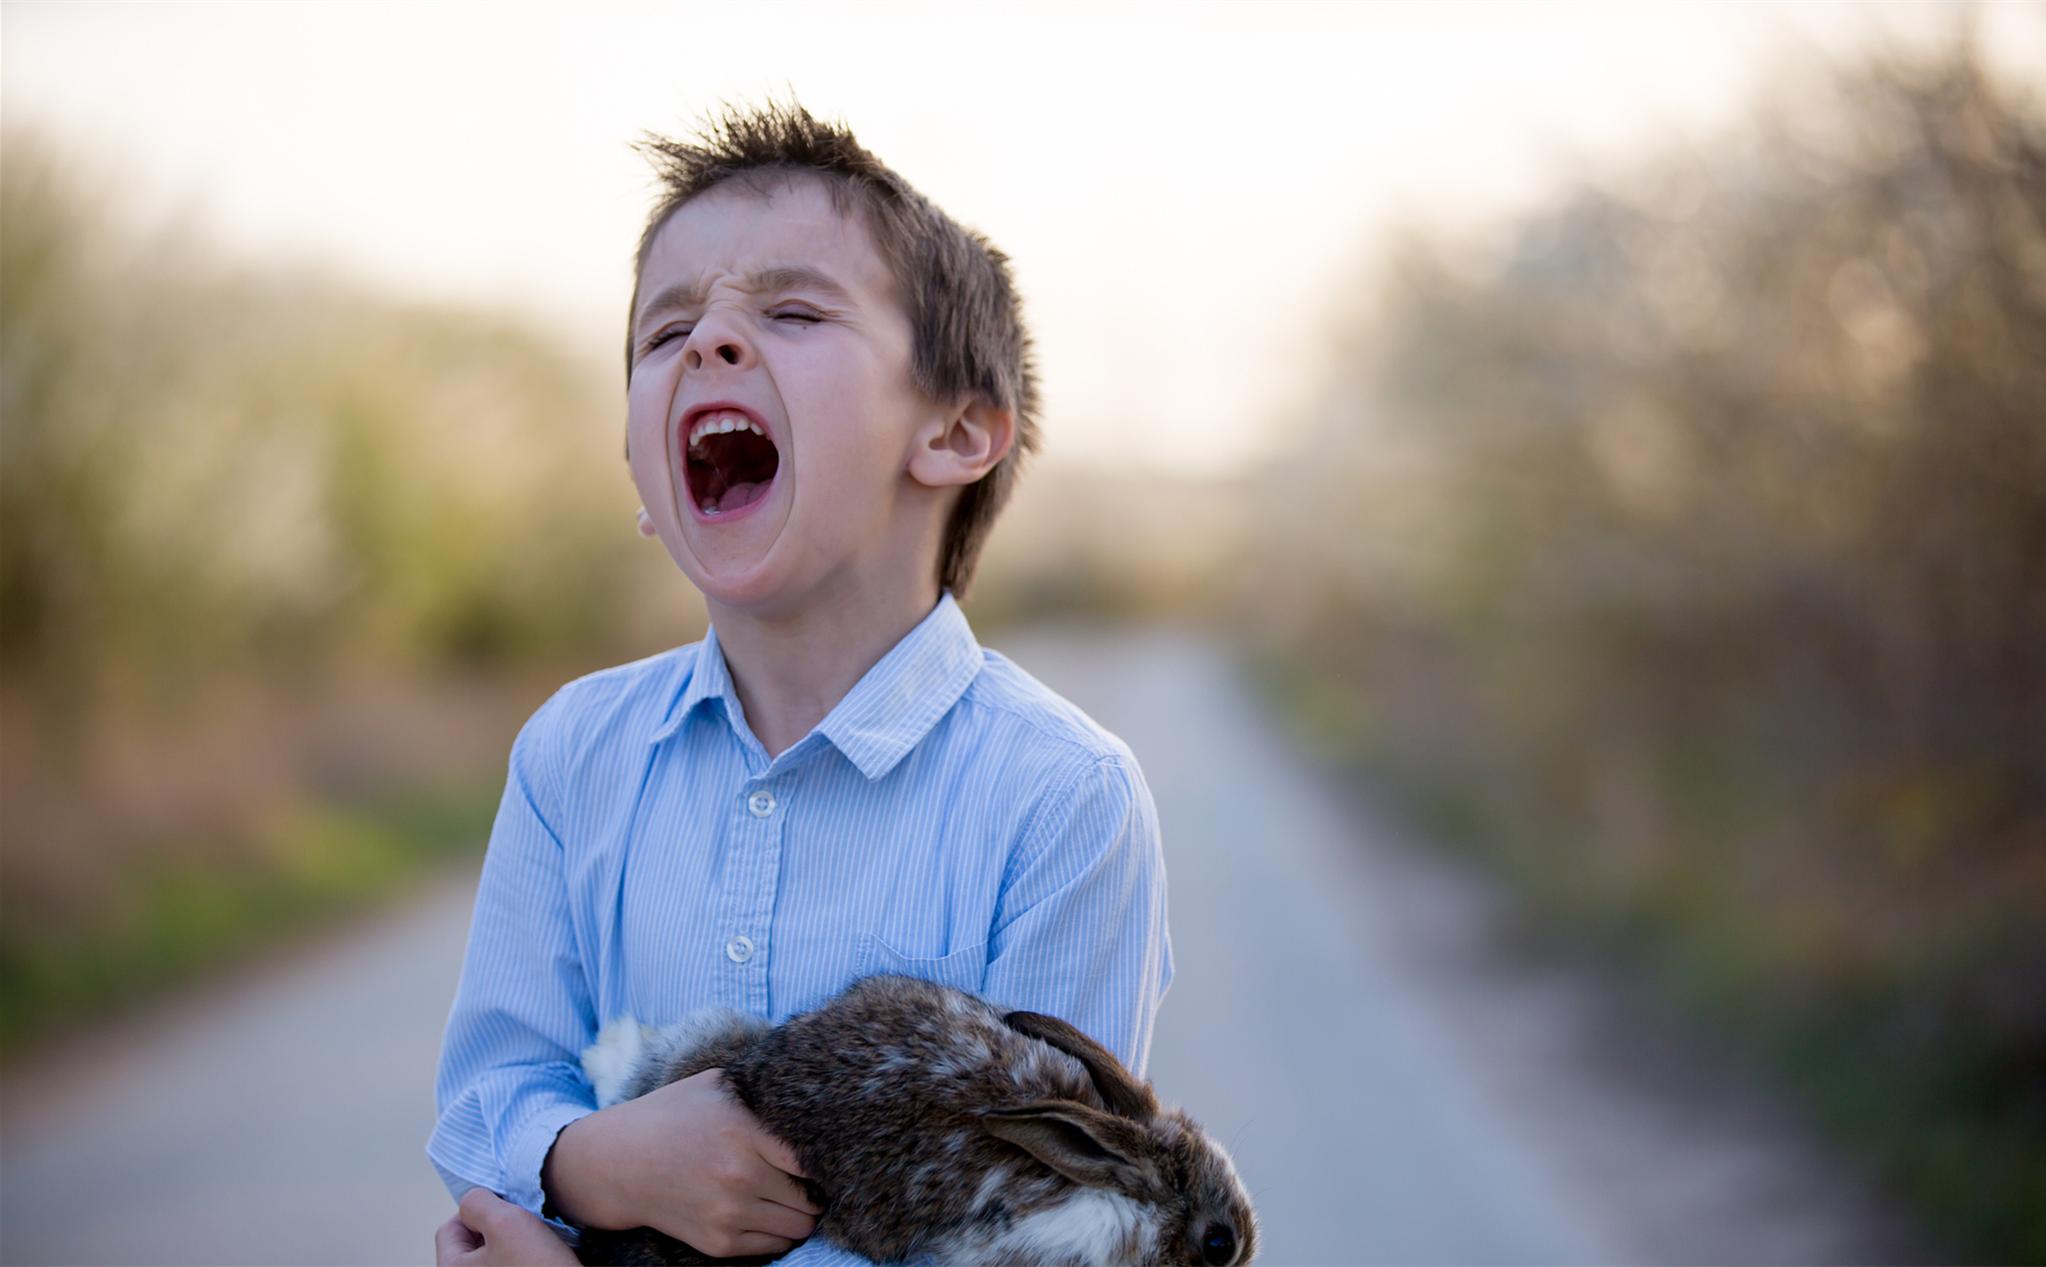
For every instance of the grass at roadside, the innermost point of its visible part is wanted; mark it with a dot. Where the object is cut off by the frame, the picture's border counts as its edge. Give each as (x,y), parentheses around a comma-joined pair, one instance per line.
(176,919)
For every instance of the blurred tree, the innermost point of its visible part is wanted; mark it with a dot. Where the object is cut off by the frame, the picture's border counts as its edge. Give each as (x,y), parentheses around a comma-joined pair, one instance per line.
(205,472)
(274,551)
(1694,553)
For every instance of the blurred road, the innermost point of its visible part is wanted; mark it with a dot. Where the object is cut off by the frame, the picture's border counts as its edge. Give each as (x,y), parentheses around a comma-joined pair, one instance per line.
(1396,1083)
(277,1118)
(1399,1079)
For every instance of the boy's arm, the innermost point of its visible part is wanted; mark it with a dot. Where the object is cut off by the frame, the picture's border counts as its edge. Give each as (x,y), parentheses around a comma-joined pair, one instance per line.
(514,1104)
(510,1074)
(1080,933)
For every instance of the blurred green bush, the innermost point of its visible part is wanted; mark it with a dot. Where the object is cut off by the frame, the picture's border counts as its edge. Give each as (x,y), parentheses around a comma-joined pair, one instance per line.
(1687,556)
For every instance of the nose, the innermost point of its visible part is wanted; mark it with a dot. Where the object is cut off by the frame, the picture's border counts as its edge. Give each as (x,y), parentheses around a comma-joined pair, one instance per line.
(718,338)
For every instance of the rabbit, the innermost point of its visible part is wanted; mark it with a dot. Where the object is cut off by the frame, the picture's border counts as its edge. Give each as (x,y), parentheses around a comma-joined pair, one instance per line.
(940,1128)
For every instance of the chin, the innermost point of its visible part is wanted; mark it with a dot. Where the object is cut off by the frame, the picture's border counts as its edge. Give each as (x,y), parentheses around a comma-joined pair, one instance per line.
(745,588)
(766,588)
(727,577)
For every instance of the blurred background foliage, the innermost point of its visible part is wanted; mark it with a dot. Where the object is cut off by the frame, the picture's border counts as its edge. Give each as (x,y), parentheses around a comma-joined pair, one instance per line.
(1683,553)
(272,549)
(206,465)
(1678,551)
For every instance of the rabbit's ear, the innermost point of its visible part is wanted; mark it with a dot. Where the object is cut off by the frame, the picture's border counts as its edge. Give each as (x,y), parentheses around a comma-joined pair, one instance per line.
(1079,1141)
(1120,1091)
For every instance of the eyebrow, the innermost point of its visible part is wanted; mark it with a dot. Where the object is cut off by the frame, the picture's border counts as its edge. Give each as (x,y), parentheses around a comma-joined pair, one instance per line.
(679,295)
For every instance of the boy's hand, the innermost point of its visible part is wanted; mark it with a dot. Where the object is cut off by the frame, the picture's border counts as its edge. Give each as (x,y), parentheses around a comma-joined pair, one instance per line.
(688,1160)
(492,1232)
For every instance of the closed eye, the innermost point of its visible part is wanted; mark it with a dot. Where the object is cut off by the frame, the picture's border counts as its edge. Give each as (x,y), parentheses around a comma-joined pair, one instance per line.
(671,333)
(799,316)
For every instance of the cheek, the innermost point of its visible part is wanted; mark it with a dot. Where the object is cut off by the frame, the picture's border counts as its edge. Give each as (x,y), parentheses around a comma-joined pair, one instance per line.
(646,429)
(855,435)
(847,472)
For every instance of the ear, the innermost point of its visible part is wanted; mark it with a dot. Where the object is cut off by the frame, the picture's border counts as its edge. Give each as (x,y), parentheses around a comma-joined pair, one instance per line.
(1087,1146)
(962,444)
(1122,1093)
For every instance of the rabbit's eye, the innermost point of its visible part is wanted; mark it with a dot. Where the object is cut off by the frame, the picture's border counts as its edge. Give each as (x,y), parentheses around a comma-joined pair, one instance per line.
(1218,1245)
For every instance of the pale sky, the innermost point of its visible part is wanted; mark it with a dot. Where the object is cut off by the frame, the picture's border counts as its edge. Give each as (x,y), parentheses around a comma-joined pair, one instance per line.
(1187,191)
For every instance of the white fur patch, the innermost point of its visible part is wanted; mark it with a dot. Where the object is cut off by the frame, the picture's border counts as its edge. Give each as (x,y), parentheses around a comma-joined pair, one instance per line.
(992,1185)
(1090,1226)
(611,1061)
(674,1043)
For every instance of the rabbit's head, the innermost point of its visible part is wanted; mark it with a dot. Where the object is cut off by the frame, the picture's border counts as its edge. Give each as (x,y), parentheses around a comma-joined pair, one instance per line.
(1195,1210)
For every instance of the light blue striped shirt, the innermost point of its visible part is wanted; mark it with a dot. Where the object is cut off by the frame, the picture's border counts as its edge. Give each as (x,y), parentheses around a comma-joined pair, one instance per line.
(952,818)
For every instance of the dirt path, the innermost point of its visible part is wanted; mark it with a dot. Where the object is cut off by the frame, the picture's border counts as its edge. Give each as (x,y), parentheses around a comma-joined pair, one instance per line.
(1397,1086)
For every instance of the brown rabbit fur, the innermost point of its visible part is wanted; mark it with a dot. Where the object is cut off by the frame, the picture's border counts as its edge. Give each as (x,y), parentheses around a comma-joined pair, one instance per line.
(937,1127)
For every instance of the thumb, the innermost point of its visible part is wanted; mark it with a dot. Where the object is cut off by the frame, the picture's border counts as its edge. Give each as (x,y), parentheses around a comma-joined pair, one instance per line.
(483,1212)
(452,1240)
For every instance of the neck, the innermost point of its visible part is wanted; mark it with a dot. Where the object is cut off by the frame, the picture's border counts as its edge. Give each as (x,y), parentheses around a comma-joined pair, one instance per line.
(790,670)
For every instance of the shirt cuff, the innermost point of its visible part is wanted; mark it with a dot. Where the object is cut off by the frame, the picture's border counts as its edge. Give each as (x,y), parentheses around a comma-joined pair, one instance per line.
(529,1154)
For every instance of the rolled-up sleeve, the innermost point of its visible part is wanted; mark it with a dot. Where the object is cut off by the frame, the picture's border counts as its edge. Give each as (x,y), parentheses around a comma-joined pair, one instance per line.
(1080,933)
(510,1076)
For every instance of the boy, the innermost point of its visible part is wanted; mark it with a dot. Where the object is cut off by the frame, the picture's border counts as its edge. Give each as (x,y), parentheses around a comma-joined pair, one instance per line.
(829,391)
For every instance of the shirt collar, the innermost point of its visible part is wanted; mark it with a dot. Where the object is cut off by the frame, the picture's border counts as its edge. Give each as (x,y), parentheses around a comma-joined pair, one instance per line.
(709,679)
(887,712)
(894,706)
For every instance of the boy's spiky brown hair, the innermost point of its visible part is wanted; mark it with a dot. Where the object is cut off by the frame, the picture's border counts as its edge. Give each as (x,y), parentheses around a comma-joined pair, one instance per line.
(968,339)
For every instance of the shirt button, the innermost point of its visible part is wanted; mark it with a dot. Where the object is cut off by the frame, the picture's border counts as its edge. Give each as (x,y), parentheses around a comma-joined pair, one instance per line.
(761,803)
(739,949)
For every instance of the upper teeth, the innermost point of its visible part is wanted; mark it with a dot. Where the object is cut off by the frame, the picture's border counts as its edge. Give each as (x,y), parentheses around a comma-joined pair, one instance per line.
(719,423)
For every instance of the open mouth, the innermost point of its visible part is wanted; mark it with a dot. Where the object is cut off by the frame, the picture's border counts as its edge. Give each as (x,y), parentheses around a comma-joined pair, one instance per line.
(729,463)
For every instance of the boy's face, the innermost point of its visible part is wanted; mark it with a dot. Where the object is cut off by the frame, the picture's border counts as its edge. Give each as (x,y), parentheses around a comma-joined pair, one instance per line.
(771,415)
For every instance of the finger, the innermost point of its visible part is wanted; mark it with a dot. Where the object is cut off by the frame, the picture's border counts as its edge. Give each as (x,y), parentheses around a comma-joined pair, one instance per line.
(771,1183)
(778,1155)
(783,1190)
(778,1220)
(451,1240)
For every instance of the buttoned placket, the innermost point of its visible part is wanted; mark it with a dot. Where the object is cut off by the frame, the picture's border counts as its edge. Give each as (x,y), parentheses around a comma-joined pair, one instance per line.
(759,814)
(745,933)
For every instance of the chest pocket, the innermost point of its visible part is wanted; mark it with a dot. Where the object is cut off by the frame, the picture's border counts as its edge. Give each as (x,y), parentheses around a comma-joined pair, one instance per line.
(962,969)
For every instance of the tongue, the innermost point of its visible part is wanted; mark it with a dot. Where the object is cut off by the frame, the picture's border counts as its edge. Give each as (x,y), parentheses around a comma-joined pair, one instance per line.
(740,495)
